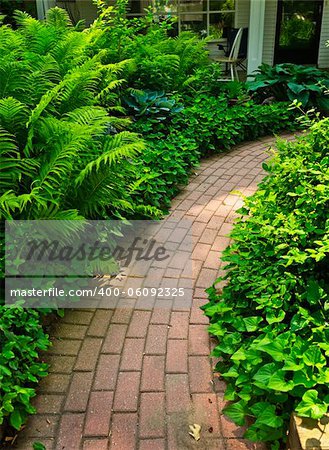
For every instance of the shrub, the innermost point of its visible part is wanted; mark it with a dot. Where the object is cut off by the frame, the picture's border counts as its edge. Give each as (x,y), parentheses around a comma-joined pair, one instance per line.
(271,319)
(217,127)
(210,125)
(164,167)
(291,82)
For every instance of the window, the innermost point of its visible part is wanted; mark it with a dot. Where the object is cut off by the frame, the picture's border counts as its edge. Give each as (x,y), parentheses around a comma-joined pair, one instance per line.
(205,17)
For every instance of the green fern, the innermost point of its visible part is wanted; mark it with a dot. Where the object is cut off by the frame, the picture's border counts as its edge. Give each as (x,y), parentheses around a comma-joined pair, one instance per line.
(64,148)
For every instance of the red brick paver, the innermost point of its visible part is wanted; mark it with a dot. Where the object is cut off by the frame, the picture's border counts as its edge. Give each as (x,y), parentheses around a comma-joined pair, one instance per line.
(132,379)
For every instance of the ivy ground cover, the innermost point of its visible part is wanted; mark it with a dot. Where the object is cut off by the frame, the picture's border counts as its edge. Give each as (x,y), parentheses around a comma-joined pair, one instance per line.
(271,319)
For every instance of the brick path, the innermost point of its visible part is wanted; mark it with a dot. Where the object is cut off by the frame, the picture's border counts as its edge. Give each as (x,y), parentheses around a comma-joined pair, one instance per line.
(127,379)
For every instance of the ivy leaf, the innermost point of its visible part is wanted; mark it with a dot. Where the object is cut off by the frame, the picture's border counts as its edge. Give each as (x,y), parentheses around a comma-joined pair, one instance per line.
(313,357)
(311,405)
(230,393)
(276,349)
(292,363)
(38,446)
(313,294)
(263,375)
(236,412)
(275,316)
(252,323)
(277,382)
(266,415)
(16,419)
(239,355)
(302,378)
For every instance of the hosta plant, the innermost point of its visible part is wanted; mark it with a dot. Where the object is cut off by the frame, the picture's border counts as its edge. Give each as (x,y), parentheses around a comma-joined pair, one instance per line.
(307,85)
(152,105)
(271,319)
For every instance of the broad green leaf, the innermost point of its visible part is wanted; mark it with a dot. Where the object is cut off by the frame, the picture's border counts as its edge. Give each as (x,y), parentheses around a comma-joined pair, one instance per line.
(266,415)
(277,382)
(236,412)
(313,357)
(38,446)
(301,378)
(313,292)
(311,406)
(275,316)
(275,349)
(263,375)
(16,419)
(252,323)
(292,363)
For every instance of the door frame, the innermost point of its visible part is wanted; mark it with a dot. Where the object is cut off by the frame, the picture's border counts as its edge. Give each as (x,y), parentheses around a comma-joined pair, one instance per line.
(277,58)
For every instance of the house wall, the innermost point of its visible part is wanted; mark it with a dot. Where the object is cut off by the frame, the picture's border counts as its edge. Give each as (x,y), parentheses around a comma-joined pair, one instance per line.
(323,60)
(87,10)
(242,20)
(80,9)
(271,9)
(242,12)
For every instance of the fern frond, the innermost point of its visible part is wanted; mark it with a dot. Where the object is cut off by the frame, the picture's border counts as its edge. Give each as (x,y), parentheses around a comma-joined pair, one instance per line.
(13,78)
(148,211)
(70,48)
(13,114)
(94,117)
(98,192)
(9,159)
(58,18)
(117,147)
(23,19)
(52,212)
(114,84)
(57,163)
(11,42)
(118,67)
(8,204)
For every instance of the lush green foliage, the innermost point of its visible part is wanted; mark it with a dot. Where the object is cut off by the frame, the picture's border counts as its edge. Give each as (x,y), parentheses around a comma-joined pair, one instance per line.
(208,125)
(216,126)
(65,156)
(160,62)
(291,82)
(21,340)
(271,319)
(296,32)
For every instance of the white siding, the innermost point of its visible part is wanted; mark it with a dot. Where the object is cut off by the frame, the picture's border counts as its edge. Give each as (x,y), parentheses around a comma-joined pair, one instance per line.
(271,8)
(323,60)
(242,12)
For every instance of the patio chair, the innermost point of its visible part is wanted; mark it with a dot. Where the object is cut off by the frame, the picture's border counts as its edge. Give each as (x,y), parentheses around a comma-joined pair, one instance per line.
(234,58)
(243,46)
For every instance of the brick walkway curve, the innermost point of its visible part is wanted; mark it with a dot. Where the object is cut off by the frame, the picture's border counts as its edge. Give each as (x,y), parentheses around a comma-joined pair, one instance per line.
(127,379)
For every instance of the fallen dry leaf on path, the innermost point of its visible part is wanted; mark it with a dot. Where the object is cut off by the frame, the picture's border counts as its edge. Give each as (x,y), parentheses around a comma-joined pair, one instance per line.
(195,431)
